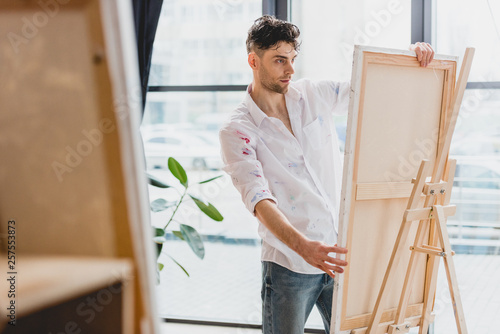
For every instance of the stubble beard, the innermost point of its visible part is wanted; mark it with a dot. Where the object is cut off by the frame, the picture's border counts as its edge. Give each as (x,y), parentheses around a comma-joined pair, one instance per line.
(274,87)
(268,84)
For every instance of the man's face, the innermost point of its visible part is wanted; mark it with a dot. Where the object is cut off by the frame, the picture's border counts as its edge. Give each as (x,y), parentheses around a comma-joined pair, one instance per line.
(276,67)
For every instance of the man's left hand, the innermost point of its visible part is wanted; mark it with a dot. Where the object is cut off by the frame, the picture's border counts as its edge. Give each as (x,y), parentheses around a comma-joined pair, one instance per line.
(424,51)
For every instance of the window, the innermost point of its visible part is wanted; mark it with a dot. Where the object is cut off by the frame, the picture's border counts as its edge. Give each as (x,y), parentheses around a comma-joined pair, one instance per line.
(198,75)
(201,42)
(330,29)
(461,23)
(476,141)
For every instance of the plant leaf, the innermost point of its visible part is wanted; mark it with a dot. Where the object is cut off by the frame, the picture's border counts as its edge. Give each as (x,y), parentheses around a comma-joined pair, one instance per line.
(209,209)
(214,178)
(178,234)
(158,232)
(178,171)
(160,205)
(194,240)
(156,182)
(158,249)
(177,263)
(160,266)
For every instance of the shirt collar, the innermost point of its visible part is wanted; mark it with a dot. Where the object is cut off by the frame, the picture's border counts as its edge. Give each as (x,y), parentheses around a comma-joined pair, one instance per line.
(257,114)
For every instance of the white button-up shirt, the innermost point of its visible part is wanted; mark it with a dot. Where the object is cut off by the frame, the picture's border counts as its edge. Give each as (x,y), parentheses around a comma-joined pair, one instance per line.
(301,173)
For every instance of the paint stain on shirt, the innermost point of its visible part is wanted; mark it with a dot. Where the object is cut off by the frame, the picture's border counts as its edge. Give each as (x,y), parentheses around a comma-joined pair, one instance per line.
(256,173)
(259,195)
(246,151)
(292,164)
(243,137)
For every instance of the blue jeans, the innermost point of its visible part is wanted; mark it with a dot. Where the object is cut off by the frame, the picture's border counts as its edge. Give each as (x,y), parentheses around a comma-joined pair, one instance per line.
(288,298)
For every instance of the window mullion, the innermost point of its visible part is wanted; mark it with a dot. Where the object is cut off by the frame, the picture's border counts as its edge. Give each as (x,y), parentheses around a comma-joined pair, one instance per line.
(421,21)
(279,8)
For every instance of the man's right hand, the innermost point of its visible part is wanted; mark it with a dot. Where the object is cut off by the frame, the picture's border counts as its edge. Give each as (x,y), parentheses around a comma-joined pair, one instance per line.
(317,254)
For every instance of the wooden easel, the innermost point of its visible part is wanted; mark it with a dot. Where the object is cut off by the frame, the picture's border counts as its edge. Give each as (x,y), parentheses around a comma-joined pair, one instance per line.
(432,215)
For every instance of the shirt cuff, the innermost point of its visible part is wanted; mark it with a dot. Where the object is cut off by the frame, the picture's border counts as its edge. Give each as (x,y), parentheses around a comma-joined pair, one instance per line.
(257,195)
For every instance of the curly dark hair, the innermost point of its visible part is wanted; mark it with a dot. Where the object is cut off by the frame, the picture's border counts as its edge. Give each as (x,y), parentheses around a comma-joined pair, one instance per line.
(268,31)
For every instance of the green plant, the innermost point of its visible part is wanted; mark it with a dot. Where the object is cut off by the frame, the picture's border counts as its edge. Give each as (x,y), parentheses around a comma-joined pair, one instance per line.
(185,231)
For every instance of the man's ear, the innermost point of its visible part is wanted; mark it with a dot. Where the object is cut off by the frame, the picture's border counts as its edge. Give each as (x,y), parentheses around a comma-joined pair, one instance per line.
(253,60)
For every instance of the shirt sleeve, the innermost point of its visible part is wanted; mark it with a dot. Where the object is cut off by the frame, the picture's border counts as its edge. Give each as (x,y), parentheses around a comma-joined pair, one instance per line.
(336,94)
(238,151)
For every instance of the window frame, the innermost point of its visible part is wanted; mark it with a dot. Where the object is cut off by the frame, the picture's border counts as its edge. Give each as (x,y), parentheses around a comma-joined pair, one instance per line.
(423,29)
(279,8)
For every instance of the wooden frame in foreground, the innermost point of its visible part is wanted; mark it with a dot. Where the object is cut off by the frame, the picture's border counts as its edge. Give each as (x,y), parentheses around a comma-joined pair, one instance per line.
(73,174)
(397,114)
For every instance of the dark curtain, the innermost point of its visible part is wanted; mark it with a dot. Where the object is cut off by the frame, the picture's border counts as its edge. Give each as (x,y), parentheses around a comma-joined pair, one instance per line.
(146,16)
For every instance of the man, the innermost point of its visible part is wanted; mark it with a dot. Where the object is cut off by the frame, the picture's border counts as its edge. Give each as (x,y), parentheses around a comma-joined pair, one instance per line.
(281,150)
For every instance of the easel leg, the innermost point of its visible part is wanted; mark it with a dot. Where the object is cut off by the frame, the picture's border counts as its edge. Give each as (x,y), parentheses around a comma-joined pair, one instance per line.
(450,270)
(410,273)
(433,266)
